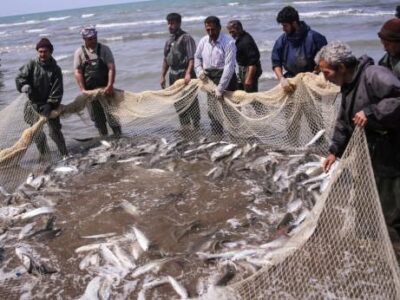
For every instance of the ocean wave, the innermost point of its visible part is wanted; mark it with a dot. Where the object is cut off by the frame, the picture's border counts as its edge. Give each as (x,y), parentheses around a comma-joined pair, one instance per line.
(345,12)
(35,30)
(30,22)
(155,33)
(58,18)
(74,28)
(62,57)
(154,22)
(45,34)
(233,3)
(87,15)
(306,2)
(114,38)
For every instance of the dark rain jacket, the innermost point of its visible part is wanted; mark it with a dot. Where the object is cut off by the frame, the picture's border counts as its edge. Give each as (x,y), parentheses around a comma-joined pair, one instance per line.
(45,79)
(376,91)
(296,52)
(392,63)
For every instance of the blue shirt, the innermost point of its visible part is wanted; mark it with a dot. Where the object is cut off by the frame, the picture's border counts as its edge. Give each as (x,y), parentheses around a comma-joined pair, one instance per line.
(296,52)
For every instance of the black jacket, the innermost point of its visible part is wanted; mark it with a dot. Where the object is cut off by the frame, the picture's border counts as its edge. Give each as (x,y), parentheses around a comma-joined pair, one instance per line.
(376,91)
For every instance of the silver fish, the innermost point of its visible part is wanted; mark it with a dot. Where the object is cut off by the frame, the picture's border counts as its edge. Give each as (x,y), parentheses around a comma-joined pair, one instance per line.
(142,239)
(222,151)
(123,257)
(89,260)
(132,159)
(155,264)
(315,138)
(92,289)
(91,247)
(30,262)
(179,289)
(109,256)
(129,208)
(66,169)
(98,236)
(36,212)
(105,144)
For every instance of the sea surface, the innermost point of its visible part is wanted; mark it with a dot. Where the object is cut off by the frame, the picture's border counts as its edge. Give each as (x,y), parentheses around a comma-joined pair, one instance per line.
(136,33)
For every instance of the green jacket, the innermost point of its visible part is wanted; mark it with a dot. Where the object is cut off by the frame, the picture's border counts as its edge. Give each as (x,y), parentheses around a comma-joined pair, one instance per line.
(392,63)
(45,79)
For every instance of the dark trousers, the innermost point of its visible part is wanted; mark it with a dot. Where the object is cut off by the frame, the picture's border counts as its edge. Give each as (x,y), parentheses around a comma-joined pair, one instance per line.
(100,117)
(31,116)
(191,114)
(258,107)
(215,76)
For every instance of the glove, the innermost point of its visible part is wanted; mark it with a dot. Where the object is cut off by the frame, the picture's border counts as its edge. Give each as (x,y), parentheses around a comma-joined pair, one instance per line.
(202,76)
(287,86)
(46,109)
(26,88)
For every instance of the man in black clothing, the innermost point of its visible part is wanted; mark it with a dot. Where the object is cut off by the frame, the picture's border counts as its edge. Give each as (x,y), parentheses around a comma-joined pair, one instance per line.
(247,57)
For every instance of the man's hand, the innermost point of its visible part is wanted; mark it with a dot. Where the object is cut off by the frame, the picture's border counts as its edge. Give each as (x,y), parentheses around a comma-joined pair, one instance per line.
(287,86)
(202,76)
(26,88)
(360,119)
(248,83)
(187,78)
(46,109)
(109,90)
(162,82)
(329,160)
(218,95)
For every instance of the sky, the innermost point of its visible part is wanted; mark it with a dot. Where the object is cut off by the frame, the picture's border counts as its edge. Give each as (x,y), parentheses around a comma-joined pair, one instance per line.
(20,7)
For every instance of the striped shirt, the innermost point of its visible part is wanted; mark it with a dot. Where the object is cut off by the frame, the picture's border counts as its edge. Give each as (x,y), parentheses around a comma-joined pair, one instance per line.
(220,54)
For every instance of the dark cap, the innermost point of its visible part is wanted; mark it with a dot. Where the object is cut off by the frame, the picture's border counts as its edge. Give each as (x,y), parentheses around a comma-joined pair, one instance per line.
(390,31)
(45,43)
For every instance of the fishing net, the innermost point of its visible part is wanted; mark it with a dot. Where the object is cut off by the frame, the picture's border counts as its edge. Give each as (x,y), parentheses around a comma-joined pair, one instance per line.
(341,251)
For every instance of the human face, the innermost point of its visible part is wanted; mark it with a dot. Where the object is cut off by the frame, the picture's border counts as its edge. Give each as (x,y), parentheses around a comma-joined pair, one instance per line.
(331,74)
(233,32)
(44,54)
(212,30)
(173,26)
(288,28)
(393,48)
(91,42)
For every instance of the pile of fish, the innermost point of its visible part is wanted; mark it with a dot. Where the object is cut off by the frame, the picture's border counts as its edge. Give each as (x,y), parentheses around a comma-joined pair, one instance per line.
(153,219)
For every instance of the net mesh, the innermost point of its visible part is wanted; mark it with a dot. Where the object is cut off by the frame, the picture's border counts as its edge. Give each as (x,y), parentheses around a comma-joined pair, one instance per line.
(342,250)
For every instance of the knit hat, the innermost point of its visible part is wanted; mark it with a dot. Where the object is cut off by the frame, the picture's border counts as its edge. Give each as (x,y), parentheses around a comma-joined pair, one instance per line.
(89,32)
(390,31)
(45,43)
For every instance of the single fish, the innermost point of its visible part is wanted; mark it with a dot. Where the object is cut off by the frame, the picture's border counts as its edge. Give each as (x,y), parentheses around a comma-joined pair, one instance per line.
(36,212)
(105,144)
(25,230)
(123,258)
(315,138)
(179,289)
(92,289)
(222,151)
(141,238)
(155,264)
(91,247)
(98,236)
(109,256)
(66,169)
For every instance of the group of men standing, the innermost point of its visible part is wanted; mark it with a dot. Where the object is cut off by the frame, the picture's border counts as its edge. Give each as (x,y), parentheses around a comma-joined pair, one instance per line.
(370,94)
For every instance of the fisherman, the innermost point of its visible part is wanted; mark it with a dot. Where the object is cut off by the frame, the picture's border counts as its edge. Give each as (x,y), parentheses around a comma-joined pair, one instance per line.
(247,57)
(179,52)
(390,39)
(215,59)
(370,99)
(295,49)
(94,68)
(42,81)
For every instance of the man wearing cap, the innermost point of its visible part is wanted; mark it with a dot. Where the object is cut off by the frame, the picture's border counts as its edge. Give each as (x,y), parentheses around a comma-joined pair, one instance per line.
(42,81)
(390,38)
(94,68)
(179,60)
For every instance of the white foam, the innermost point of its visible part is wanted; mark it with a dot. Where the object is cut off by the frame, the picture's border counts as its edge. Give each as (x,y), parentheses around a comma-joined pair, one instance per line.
(306,2)
(153,33)
(45,34)
(61,57)
(114,38)
(87,15)
(30,22)
(344,12)
(74,27)
(35,30)
(54,19)
(233,3)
